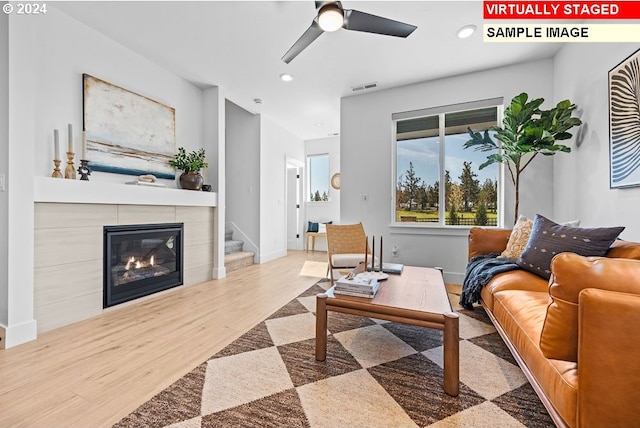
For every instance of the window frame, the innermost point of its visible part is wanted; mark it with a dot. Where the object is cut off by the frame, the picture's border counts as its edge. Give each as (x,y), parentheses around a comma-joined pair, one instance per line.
(441,227)
(308,176)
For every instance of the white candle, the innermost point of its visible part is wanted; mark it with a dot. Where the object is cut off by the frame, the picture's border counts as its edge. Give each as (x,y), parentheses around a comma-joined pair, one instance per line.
(84,145)
(56,145)
(70,149)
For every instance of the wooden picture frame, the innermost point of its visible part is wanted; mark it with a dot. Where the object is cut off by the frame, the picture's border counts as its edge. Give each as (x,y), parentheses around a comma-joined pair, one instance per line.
(127,133)
(624,123)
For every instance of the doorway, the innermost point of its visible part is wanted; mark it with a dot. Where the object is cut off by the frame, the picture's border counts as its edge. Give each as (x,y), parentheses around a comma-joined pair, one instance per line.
(293,211)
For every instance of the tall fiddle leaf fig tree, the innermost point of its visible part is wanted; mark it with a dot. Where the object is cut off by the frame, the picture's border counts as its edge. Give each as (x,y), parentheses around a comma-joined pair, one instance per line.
(526,132)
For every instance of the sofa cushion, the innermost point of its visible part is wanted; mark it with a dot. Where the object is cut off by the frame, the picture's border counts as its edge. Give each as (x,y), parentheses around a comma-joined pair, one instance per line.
(548,239)
(572,274)
(520,315)
(487,240)
(512,280)
(624,250)
(518,238)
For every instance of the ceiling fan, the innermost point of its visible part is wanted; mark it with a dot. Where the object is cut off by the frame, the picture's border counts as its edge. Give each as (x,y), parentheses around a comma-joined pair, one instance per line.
(332,16)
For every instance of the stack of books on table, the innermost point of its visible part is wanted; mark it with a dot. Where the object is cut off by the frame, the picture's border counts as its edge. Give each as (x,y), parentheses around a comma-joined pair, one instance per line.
(358,286)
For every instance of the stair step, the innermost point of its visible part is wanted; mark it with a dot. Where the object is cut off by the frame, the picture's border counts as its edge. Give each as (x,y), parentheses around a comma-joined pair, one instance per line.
(228,235)
(238,260)
(232,247)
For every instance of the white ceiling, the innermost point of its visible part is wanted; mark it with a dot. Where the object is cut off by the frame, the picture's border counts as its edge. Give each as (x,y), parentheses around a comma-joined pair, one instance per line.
(237,45)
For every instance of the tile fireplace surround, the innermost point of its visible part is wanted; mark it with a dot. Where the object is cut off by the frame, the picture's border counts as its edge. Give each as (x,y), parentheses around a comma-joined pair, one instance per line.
(68,233)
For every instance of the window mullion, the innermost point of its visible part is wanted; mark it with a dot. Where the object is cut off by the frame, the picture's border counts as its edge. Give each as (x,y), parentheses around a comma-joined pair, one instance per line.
(441,191)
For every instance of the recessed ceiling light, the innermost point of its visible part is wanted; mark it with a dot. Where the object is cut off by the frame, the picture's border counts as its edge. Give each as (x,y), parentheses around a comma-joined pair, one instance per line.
(466,31)
(286,77)
(257,100)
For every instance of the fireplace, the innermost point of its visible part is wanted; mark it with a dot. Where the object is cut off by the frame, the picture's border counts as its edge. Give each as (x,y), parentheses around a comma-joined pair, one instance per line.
(140,260)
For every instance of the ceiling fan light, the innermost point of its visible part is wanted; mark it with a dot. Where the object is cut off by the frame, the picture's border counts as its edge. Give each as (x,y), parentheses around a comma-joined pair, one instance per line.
(330,17)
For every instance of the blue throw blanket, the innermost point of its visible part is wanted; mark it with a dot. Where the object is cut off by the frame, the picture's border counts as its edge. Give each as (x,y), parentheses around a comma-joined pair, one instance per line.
(480,270)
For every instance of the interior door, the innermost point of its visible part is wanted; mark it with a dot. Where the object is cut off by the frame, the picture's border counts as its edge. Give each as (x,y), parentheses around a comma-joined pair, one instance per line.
(294,238)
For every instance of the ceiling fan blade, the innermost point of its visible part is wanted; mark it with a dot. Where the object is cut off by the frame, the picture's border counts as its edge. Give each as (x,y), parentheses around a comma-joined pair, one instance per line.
(360,21)
(312,33)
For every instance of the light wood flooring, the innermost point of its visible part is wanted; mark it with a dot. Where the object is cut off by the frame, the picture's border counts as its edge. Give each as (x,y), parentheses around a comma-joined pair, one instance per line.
(93,373)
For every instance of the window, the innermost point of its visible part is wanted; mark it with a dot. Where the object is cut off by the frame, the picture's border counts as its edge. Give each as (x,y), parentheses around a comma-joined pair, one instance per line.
(429,150)
(318,167)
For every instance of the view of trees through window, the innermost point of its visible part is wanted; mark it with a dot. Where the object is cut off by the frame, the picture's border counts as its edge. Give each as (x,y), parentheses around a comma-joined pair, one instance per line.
(318,167)
(427,155)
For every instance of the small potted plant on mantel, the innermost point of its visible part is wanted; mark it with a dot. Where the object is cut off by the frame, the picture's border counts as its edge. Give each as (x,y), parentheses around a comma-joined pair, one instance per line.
(191,164)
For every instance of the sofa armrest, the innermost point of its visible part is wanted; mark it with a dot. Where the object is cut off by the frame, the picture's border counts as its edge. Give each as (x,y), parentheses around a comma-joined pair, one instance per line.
(571,274)
(486,241)
(608,358)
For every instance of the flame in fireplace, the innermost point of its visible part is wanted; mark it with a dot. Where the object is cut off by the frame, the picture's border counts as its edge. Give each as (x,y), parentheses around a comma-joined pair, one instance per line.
(131,260)
(137,264)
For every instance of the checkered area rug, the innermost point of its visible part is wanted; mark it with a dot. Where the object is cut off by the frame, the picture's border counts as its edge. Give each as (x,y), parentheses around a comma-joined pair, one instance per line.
(377,374)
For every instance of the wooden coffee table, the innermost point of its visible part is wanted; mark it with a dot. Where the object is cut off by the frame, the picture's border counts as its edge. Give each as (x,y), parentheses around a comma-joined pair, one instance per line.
(417,297)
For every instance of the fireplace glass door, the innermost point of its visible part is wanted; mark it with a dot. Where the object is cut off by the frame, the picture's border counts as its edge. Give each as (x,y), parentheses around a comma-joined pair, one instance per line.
(140,260)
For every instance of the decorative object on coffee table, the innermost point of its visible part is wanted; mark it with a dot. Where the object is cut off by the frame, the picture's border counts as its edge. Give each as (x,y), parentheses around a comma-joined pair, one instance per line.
(190,164)
(624,128)
(526,132)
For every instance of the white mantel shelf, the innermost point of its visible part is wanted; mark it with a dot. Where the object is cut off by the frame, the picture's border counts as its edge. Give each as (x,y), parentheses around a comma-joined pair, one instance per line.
(56,190)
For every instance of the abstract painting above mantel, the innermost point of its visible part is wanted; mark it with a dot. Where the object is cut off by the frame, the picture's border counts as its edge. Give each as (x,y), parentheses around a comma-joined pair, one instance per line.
(127,133)
(624,122)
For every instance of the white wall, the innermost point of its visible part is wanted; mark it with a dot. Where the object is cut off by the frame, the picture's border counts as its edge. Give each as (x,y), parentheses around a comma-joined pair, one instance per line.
(66,48)
(21,325)
(243,179)
(4,155)
(276,145)
(366,160)
(46,59)
(324,211)
(582,177)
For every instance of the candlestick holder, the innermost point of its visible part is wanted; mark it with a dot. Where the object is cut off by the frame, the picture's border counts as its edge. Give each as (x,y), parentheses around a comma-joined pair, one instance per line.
(70,170)
(84,170)
(56,171)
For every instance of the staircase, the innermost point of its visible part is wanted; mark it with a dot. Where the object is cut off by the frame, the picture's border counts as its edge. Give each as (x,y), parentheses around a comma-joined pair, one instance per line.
(234,257)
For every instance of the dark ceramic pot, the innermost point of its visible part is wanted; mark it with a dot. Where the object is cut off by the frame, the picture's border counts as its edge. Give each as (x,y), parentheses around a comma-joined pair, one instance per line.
(191,180)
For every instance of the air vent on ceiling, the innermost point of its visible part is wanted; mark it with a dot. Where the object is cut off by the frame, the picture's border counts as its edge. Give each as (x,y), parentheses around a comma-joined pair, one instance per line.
(363,87)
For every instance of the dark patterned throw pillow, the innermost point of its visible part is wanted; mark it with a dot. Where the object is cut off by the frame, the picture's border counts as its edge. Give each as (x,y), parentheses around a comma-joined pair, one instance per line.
(548,239)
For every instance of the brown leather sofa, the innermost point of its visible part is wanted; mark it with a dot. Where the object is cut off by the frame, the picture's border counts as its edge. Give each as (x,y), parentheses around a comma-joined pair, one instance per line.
(576,336)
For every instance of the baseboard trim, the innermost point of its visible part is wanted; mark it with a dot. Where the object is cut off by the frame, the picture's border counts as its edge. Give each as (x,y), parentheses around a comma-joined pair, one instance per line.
(18,334)
(263,258)
(219,273)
